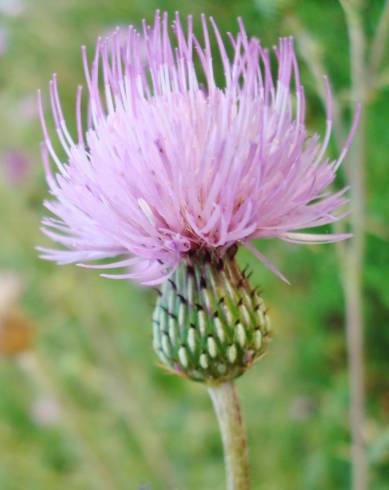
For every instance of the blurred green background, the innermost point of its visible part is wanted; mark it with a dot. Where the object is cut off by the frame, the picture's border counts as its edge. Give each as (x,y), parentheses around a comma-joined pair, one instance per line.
(86,406)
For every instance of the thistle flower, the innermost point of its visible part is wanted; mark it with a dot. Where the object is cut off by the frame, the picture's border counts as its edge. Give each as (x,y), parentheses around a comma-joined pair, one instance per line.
(175,171)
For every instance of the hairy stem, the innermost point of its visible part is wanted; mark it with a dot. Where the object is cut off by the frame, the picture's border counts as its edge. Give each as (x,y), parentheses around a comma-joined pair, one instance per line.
(226,404)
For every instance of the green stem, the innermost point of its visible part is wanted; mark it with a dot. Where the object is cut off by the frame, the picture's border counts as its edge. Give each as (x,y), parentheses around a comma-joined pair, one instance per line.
(354,258)
(378,45)
(226,404)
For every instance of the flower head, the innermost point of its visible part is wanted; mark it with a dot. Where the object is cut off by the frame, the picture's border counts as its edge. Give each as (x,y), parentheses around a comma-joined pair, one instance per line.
(173,163)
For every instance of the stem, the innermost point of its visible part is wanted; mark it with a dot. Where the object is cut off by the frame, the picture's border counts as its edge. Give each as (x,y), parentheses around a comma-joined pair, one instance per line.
(354,331)
(379,43)
(226,404)
(353,266)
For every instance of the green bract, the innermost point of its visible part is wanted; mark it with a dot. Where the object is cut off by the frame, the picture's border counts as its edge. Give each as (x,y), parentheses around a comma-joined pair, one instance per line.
(210,324)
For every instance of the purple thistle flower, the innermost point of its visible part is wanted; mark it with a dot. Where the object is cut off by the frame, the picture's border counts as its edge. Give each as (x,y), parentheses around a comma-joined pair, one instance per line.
(171,163)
